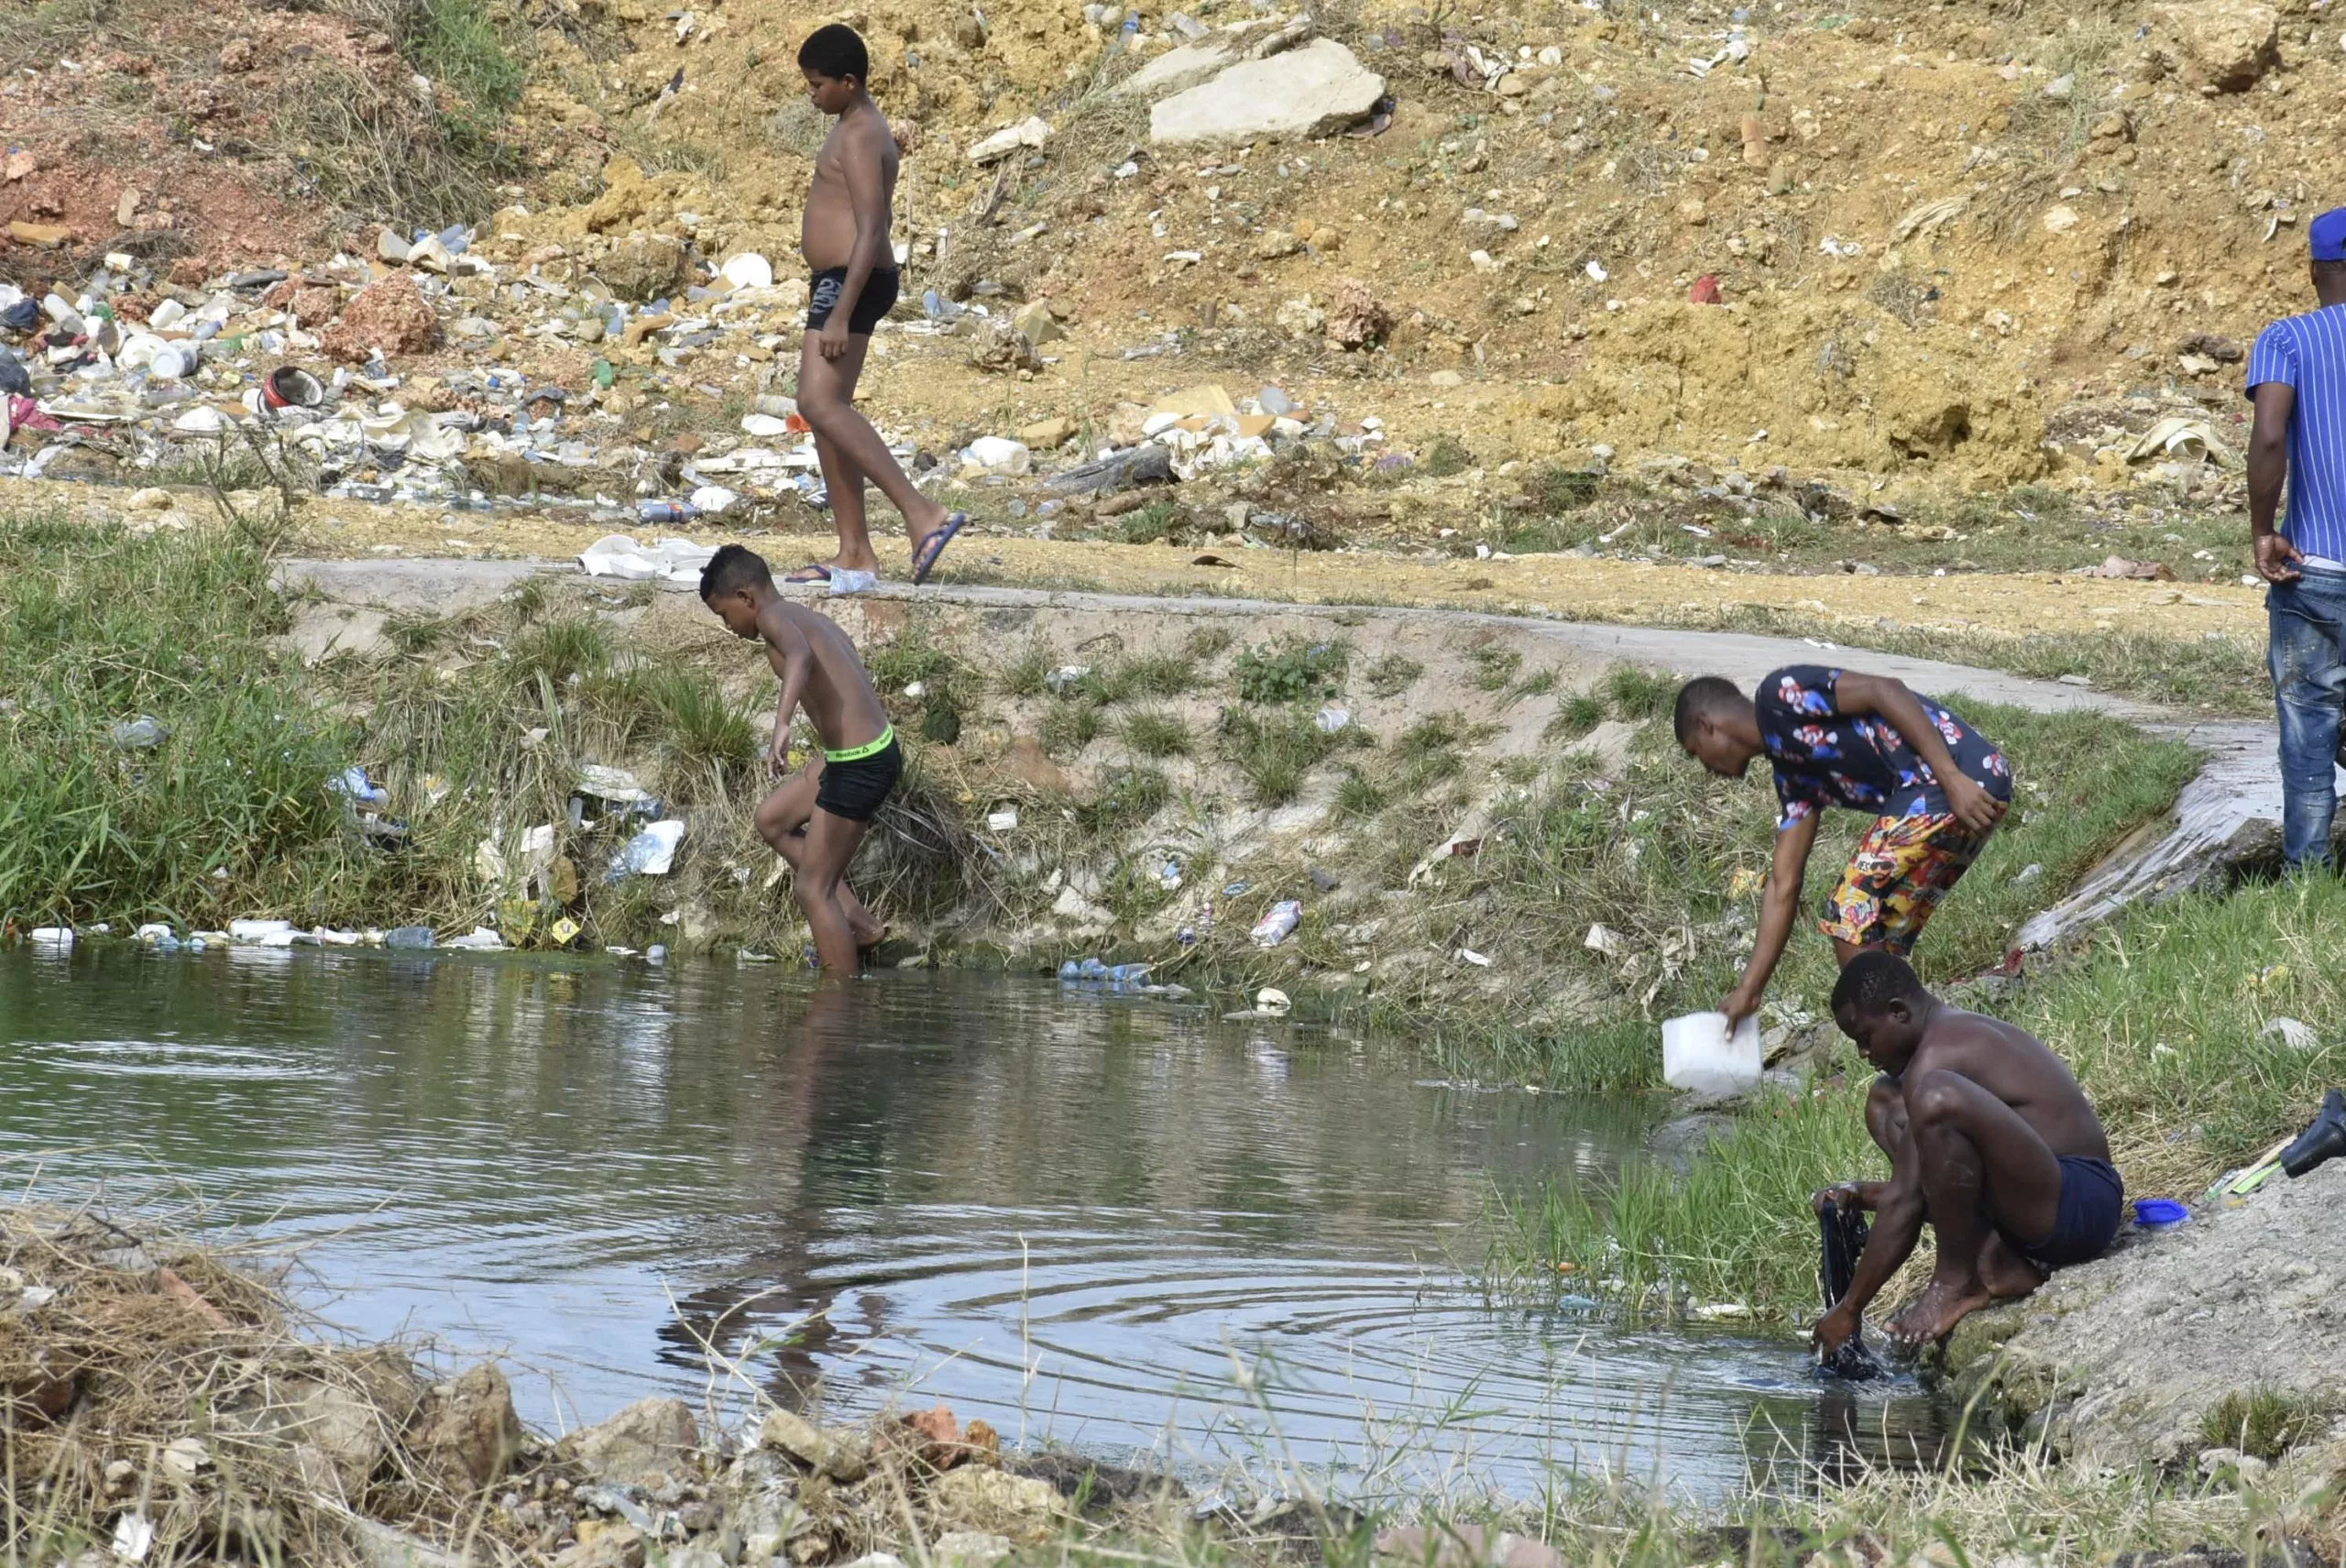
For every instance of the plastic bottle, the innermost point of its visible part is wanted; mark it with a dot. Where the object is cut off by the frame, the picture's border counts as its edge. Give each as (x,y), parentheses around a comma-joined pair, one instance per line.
(408,938)
(1280,923)
(665,511)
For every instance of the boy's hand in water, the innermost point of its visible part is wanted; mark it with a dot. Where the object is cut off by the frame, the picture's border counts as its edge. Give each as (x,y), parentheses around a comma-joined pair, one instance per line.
(1833,1331)
(1972,805)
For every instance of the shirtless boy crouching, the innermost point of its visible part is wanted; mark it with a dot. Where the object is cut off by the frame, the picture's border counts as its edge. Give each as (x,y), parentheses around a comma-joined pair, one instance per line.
(1990,1139)
(846,237)
(818,818)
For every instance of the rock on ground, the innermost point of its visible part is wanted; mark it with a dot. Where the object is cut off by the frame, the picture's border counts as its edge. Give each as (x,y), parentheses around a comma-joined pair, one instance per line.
(1178,69)
(649,1438)
(1305,92)
(2225,45)
(841,1455)
(2125,1356)
(983,1499)
(644,266)
(467,1429)
(390,315)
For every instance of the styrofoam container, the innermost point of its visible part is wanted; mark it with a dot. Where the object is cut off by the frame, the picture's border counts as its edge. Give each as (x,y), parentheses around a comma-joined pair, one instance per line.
(1698,1053)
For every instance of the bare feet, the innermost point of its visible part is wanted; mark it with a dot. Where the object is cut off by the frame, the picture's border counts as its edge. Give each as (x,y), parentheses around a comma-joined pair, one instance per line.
(868,933)
(2004,1272)
(1944,1303)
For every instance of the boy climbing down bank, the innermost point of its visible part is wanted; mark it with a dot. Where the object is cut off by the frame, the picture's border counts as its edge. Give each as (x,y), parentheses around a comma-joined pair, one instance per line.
(1935,786)
(1990,1139)
(845,236)
(818,818)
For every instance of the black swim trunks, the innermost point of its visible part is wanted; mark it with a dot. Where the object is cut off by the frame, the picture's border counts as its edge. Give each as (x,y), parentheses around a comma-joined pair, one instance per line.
(856,780)
(879,297)
(2093,1201)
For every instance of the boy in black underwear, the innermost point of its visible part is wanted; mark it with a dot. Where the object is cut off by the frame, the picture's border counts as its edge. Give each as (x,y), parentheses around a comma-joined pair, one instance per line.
(845,236)
(818,818)
(1989,1139)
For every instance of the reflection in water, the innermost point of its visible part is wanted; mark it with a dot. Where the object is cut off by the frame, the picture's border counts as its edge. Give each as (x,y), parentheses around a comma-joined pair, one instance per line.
(1090,1220)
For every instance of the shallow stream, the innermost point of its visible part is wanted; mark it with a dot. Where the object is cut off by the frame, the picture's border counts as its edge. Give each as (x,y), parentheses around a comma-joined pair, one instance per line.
(1107,1223)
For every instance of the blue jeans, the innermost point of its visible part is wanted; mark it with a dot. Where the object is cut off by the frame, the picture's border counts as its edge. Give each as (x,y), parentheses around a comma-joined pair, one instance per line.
(2306,651)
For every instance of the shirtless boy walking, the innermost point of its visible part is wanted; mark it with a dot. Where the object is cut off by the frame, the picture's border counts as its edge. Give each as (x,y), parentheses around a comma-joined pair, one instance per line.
(818,818)
(1990,1139)
(845,238)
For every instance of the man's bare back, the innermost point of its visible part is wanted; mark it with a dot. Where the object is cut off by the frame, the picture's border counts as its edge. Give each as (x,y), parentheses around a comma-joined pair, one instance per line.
(1990,1142)
(2015,1067)
(826,233)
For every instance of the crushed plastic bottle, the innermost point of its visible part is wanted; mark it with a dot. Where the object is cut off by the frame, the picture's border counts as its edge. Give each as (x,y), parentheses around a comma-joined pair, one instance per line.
(408,939)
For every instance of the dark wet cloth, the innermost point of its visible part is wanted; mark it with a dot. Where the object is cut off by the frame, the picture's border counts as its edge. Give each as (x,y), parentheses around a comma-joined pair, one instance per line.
(1860,761)
(1841,1238)
(2093,1203)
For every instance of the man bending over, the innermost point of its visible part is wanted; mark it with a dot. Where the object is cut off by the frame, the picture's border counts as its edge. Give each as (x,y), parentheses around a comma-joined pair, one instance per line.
(1989,1139)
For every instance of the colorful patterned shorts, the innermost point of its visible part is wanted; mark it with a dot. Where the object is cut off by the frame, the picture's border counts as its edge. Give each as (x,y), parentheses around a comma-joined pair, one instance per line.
(1902,866)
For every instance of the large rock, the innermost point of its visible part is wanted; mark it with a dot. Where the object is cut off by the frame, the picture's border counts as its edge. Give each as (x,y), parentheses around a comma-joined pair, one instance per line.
(644,266)
(2118,1362)
(650,1439)
(1305,92)
(2223,45)
(390,314)
(841,1455)
(976,1499)
(1176,70)
(467,1430)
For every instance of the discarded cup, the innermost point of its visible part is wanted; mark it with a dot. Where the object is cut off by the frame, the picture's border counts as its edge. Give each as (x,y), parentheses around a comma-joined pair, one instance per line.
(289,385)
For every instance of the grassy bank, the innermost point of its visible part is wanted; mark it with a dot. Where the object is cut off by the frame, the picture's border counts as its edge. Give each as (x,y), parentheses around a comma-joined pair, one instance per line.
(2162,1017)
(477,725)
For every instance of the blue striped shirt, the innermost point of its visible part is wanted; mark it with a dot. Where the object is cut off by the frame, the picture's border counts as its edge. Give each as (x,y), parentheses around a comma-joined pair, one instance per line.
(2308,353)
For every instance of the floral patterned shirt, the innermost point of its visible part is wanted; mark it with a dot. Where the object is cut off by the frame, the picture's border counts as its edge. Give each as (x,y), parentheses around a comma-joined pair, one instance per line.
(1823,757)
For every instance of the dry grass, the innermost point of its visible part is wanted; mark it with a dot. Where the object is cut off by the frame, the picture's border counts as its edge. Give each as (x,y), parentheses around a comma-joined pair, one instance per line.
(153,1379)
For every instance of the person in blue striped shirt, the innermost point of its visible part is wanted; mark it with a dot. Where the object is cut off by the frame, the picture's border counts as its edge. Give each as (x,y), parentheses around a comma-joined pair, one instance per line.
(2296,378)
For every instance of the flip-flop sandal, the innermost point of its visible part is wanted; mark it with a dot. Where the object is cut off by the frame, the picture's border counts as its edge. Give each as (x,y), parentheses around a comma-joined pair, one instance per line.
(934,545)
(808,576)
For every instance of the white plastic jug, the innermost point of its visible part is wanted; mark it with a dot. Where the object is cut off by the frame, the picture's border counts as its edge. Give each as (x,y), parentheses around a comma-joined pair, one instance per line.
(1698,1053)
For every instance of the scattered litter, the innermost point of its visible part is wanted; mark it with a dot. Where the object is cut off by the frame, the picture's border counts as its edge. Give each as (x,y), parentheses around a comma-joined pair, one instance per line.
(651,852)
(140,733)
(2296,1035)
(670,560)
(1604,939)
(258,931)
(1003,821)
(51,936)
(1328,720)
(1281,922)
(480,939)
(1469,956)
(1271,1001)
(408,938)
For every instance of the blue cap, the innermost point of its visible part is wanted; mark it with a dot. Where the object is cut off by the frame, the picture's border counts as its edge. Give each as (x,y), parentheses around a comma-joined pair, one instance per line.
(2326,235)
